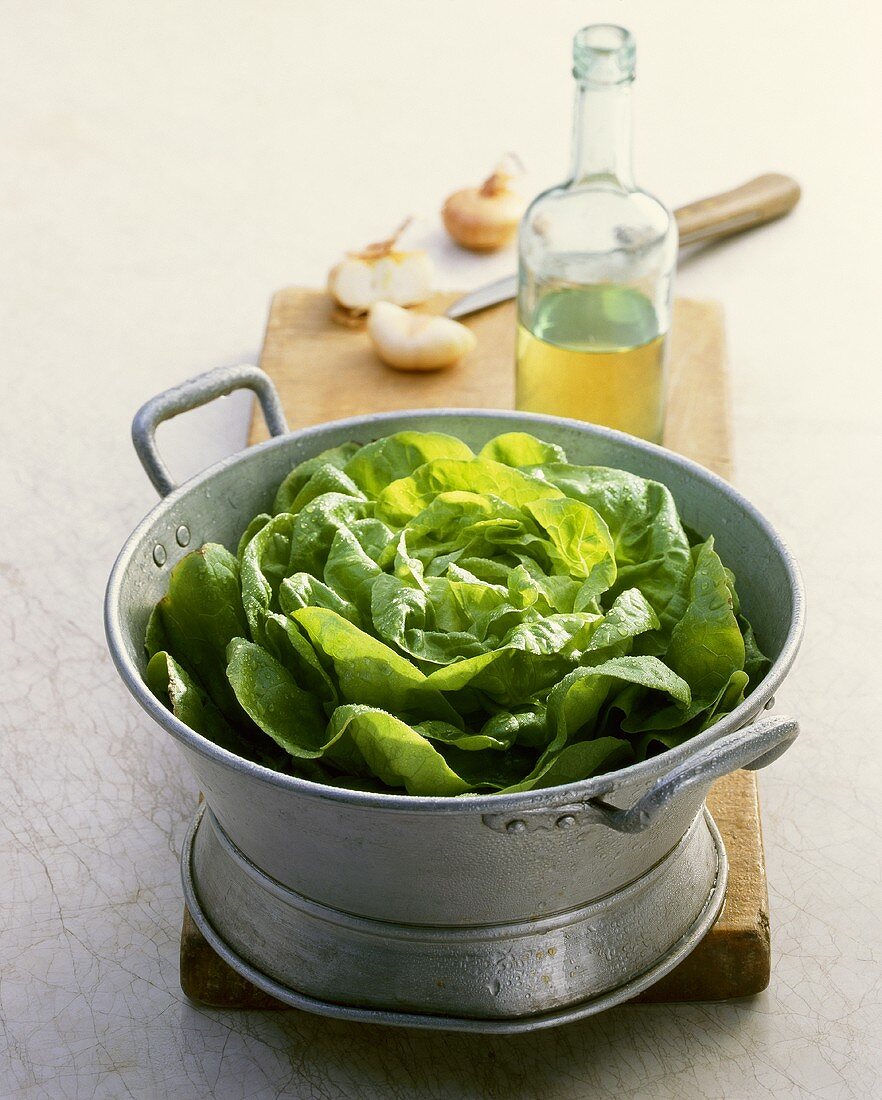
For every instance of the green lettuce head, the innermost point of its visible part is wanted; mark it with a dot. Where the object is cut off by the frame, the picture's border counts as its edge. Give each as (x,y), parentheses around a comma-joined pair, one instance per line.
(417,617)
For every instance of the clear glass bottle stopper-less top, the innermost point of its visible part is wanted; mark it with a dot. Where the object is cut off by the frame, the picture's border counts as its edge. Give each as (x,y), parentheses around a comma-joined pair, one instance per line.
(596,261)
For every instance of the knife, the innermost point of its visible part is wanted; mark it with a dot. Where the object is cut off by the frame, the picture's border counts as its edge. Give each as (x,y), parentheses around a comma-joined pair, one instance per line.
(759,201)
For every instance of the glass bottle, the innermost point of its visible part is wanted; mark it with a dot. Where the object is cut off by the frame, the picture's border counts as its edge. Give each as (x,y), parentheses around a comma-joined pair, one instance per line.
(596,262)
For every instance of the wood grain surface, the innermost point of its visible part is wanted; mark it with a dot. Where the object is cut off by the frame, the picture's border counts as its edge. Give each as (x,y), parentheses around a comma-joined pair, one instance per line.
(325,370)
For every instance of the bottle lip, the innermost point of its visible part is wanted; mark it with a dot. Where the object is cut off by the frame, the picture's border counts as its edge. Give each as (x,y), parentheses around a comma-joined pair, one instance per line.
(604,53)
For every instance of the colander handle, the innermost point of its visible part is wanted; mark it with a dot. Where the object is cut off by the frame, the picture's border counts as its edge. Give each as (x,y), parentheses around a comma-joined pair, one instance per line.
(190,395)
(753,747)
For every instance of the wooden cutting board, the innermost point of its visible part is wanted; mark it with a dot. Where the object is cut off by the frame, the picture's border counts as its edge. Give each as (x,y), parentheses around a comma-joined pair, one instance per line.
(324,371)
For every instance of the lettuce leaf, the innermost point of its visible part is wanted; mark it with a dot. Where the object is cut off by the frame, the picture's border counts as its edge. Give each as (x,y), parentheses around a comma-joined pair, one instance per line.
(296,481)
(394,752)
(378,464)
(198,617)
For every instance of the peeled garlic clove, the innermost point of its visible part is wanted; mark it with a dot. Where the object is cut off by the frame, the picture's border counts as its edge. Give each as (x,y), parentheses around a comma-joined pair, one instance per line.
(416,341)
(484,218)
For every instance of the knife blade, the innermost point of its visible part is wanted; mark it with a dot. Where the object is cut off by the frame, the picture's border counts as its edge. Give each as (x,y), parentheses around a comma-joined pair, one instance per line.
(759,201)
(484,297)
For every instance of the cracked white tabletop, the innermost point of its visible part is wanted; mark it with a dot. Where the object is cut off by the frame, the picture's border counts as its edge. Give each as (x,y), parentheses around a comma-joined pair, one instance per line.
(165,168)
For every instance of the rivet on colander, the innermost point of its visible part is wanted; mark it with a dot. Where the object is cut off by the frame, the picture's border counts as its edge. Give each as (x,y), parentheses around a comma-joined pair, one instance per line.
(567,821)
(183,535)
(516,826)
(159,554)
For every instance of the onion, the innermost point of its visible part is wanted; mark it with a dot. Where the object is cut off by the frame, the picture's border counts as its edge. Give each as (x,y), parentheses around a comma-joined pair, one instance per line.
(382,272)
(484,218)
(416,341)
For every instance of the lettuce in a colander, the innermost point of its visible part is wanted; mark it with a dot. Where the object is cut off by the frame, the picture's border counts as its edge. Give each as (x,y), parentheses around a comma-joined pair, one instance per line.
(417,617)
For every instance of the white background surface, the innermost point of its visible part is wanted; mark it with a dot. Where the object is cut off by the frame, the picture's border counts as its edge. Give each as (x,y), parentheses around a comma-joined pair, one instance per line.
(164,167)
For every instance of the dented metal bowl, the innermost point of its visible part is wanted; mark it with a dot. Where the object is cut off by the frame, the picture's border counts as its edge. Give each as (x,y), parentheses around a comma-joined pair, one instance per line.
(482,912)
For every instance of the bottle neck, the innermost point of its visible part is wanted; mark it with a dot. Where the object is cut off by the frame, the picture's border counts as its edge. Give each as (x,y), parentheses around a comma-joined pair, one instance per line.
(602,135)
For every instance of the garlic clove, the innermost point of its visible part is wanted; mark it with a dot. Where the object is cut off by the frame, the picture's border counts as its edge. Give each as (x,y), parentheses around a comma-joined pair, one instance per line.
(484,218)
(417,341)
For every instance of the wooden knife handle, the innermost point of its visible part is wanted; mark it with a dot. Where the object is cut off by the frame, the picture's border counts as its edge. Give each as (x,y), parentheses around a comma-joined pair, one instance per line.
(761,200)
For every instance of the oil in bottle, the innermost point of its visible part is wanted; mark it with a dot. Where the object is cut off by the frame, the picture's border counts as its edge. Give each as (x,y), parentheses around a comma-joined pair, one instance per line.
(594,353)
